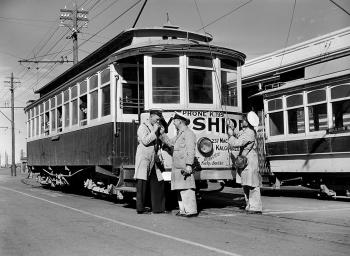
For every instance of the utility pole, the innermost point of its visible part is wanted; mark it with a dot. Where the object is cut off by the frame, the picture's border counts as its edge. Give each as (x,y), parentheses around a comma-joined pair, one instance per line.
(12,82)
(74,15)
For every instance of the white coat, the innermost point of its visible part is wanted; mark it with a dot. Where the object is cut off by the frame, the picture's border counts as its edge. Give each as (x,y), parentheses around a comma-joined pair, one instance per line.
(184,144)
(144,159)
(250,175)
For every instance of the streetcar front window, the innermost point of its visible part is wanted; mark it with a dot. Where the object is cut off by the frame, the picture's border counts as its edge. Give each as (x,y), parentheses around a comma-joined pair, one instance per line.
(165,79)
(200,80)
(229,88)
(200,84)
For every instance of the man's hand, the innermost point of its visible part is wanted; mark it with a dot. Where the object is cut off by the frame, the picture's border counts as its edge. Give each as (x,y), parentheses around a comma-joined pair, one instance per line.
(156,126)
(162,130)
(188,169)
(230,132)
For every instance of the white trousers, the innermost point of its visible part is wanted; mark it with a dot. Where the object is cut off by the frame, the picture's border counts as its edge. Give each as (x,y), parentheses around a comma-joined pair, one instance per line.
(253,198)
(187,201)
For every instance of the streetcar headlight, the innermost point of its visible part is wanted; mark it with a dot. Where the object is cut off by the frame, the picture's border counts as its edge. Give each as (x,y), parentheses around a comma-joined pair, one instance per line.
(205,146)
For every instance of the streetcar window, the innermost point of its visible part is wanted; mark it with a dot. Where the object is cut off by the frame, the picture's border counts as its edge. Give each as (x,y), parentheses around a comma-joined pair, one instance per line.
(200,84)
(42,124)
(33,127)
(274,104)
(130,98)
(66,95)
(200,61)
(59,99)
(53,102)
(36,110)
(47,124)
(37,125)
(93,82)
(296,121)
(318,120)
(276,123)
(29,129)
(53,119)
(47,105)
(130,74)
(165,60)
(295,100)
(83,87)
(229,88)
(166,84)
(105,77)
(75,112)
(165,79)
(94,104)
(41,108)
(66,115)
(59,119)
(228,64)
(316,96)
(83,109)
(74,91)
(106,100)
(340,91)
(341,114)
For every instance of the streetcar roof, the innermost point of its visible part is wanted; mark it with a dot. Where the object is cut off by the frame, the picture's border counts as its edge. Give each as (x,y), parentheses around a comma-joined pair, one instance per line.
(301,83)
(123,39)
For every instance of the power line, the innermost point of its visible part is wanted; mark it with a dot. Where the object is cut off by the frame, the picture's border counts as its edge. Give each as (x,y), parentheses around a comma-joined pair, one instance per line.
(127,10)
(341,8)
(289,29)
(223,16)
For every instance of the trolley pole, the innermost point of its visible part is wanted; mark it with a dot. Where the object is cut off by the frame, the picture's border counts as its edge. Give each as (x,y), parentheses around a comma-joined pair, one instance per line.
(74,15)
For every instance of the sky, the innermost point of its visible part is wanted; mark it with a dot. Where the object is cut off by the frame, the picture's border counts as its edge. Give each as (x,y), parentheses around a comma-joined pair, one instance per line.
(29,30)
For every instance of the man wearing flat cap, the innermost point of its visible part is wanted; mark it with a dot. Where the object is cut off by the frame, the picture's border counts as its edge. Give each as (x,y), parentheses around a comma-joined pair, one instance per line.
(145,172)
(182,178)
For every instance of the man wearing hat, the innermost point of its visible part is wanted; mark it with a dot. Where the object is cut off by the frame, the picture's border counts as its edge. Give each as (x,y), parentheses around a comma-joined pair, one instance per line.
(145,172)
(182,178)
(249,177)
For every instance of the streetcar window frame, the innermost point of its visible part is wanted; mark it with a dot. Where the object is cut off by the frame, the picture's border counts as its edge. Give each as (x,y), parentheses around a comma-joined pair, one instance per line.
(83,101)
(66,109)
(229,67)
(93,98)
(276,125)
(338,103)
(314,105)
(105,85)
(194,70)
(174,91)
(293,109)
(47,117)
(74,105)
(53,114)
(128,99)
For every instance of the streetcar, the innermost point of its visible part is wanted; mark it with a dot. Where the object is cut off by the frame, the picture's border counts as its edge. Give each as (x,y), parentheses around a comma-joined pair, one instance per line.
(305,100)
(82,129)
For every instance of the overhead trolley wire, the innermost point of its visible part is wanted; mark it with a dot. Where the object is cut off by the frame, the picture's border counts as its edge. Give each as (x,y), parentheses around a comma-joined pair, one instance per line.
(289,29)
(223,16)
(336,4)
(110,23)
